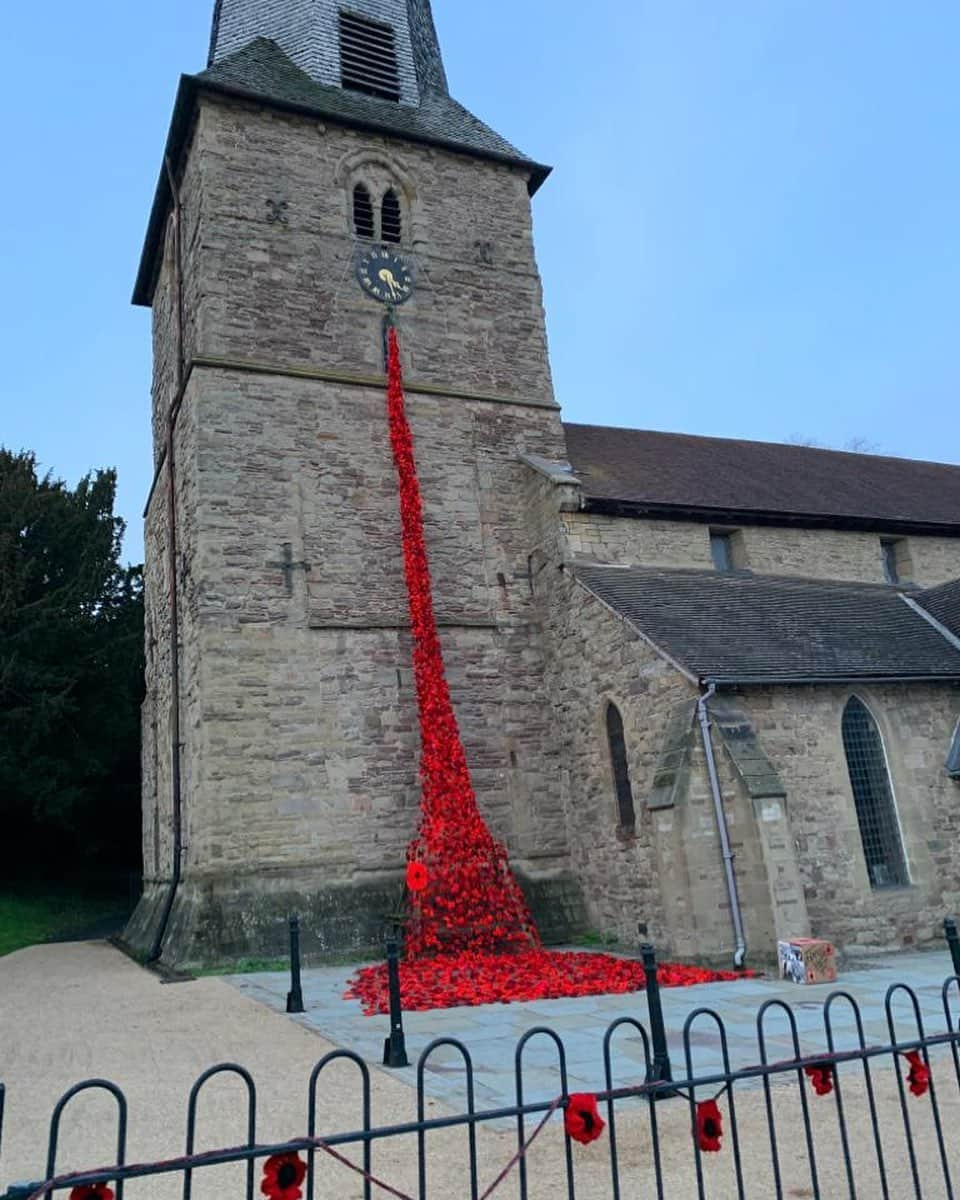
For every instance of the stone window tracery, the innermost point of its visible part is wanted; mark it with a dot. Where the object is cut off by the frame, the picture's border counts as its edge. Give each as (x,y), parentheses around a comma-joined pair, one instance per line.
(873,797)
(377,206)
(621,770)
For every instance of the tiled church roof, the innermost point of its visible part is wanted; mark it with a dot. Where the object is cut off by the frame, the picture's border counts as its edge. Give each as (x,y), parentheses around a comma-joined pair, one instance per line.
(943,604)
(718,478)
(738,628)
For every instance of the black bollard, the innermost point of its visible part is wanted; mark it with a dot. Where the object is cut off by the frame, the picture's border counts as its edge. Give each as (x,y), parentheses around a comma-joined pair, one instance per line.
(953,941)
(394,1047)
(295,995)
(660,1069)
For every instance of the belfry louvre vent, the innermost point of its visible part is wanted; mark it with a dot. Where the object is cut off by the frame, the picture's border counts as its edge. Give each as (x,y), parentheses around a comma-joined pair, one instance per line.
(368,57)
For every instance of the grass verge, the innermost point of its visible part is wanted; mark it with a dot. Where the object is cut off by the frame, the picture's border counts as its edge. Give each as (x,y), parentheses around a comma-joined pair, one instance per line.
(30,914)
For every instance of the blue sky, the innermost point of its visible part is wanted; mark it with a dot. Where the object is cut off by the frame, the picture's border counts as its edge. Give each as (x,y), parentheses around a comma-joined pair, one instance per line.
(752,229)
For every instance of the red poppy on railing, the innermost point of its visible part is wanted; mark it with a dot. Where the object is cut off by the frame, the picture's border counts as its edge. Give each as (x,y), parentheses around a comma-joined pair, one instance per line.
(582,1120)
(821,1076)
(282,1176)
(92,1191)
(709,1125)
(919,1074)
(416,877)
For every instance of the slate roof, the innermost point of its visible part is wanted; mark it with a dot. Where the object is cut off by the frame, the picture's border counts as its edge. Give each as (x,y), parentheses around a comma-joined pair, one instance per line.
(637,470)
(739,628)
(262,72)
(943,604)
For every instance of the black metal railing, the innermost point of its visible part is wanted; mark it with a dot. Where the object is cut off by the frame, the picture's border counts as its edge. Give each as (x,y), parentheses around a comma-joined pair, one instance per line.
(775,1087)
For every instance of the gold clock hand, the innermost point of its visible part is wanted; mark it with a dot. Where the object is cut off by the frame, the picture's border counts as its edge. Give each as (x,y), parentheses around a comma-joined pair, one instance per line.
(387,277)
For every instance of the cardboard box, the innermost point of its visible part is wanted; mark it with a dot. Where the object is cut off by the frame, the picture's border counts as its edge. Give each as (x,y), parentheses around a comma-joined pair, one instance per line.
(807,960)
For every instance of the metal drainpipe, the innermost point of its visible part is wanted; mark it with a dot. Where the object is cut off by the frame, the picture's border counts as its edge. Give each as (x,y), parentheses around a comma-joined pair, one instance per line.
(740,953)
(175,779)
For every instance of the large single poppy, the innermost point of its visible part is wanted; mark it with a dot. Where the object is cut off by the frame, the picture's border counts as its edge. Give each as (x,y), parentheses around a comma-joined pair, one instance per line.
(282,1176)
(709,1125)
(416,877)
(821,1076)
(919,1074)
(582,1120)
(92,1191)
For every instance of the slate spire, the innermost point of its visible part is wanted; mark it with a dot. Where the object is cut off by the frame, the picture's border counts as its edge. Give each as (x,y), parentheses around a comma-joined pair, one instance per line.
(426,47)
(308,32)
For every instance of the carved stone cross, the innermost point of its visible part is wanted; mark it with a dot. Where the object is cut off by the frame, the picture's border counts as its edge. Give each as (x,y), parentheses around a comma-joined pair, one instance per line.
(288,566)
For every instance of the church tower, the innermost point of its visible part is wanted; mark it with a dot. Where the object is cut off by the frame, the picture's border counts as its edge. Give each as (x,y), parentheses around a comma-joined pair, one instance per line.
(280,728)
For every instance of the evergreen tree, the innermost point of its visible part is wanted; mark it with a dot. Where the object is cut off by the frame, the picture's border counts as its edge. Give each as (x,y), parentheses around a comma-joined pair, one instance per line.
(71,672)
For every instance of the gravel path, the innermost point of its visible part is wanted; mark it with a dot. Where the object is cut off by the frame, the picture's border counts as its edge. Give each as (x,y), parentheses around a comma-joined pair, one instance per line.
(72,1011)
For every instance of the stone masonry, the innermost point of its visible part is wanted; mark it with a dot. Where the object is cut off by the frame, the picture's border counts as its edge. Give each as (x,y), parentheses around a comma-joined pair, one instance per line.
(299,716)
(768,550)
(794,832)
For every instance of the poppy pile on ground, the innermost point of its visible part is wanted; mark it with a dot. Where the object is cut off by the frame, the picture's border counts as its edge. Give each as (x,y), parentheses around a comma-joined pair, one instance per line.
(470,978)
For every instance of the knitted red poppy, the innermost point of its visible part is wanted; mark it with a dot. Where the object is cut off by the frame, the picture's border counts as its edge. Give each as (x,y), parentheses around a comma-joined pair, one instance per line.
(92,1191)
(416,877)
(282,1176)
(709,1125)
(919,1074)
(582,1121)
(821,1076)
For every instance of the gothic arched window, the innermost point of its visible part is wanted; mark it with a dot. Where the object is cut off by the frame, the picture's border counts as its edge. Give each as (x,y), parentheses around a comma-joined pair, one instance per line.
(873,797)
(391,225)
(621,771)
(362,212)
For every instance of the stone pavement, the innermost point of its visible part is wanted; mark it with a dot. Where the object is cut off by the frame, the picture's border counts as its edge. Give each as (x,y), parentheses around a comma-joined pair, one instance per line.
(491,1032)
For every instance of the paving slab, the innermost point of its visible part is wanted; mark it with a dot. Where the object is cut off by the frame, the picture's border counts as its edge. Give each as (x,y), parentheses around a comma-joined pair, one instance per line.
(491,1032)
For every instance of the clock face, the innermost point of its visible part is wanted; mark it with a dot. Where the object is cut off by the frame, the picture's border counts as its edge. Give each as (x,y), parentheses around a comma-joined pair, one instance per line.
(384,275)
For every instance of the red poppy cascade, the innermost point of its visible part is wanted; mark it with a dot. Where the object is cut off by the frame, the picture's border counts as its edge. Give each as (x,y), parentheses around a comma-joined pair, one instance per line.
(470,938)
(463,893)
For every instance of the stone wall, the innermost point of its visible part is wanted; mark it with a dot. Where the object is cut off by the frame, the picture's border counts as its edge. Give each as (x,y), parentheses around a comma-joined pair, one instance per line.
(800,729)
(666,874)
(798,853)
(300,740)
(815,553)
(284,293)
(156,750)
(648,543)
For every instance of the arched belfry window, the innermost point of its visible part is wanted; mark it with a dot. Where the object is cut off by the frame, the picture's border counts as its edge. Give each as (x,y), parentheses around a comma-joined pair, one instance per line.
(363,225)
(391,224)
(873,797)
(621,770)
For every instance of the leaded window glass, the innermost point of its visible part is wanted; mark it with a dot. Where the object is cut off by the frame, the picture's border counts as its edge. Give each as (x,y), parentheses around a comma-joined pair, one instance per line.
(873,797)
